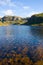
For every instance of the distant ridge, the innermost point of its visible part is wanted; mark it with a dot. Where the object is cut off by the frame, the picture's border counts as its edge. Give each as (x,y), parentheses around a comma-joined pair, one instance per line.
(33,20)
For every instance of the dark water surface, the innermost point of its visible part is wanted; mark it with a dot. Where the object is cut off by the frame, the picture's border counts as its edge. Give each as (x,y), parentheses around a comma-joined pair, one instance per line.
(16,37)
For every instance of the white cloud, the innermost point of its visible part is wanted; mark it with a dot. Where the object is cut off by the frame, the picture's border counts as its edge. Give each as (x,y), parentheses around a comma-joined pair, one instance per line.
(8,12)
(26,7)
(32,13)
(7,2)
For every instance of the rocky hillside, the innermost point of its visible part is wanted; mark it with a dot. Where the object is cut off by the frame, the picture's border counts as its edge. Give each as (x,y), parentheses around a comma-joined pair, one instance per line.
(12,20)
(36,19)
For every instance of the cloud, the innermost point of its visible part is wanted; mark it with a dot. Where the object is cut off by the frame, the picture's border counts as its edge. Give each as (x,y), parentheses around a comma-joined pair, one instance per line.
(8,12)
(26,7)
(7,2)
(32,13)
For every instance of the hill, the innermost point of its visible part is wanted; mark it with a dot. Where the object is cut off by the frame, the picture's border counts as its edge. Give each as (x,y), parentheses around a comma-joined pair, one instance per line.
(36,19)
(7,20)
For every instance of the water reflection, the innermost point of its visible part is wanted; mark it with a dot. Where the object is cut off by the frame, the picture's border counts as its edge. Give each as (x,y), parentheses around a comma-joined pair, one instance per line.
(24,40)
(37,32)
(20,34)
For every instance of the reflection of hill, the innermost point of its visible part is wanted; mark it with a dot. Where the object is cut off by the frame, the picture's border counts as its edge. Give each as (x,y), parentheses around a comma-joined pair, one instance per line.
(37,31)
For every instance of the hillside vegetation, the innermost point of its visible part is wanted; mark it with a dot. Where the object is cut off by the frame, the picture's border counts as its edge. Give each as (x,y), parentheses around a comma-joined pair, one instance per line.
(34,20)
(8,20)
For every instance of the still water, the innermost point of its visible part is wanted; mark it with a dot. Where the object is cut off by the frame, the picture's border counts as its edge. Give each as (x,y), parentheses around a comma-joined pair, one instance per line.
(15,36)
(21,35)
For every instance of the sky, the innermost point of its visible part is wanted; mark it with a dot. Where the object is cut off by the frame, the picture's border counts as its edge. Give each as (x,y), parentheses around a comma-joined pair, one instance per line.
(22,8)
